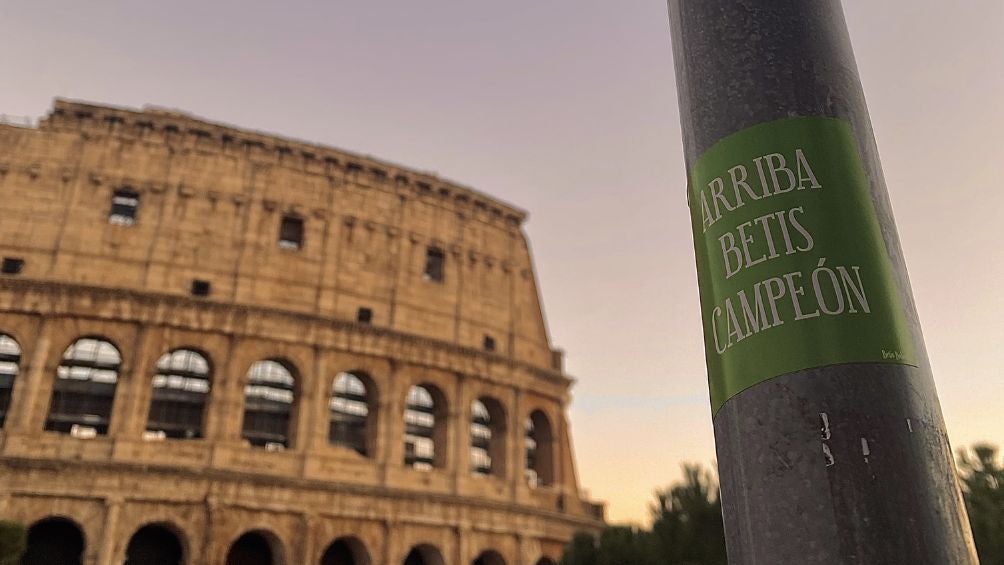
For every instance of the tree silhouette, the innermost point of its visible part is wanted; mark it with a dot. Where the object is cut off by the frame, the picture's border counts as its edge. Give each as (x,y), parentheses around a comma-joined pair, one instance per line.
(982,477)
(686,530)
(13,540)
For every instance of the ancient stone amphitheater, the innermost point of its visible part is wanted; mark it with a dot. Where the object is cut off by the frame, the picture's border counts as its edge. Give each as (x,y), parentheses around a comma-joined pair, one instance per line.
(224,347)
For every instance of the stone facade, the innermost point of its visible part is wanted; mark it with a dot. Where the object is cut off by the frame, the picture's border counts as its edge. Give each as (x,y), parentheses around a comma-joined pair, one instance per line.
(153,232)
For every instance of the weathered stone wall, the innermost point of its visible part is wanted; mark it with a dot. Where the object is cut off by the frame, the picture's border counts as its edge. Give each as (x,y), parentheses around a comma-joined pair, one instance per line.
(211,202)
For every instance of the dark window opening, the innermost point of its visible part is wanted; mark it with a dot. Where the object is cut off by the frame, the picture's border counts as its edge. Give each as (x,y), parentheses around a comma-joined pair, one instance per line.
(84,390)
(349,408)
(10,360)
(201,287)
(12,265)
(435,263)
(268,405)
(180,391)
(291,233)
(364,316)
(489,343)
(125,204)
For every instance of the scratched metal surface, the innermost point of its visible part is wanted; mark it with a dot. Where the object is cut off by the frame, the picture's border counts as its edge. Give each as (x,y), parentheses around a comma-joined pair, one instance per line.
(841,464)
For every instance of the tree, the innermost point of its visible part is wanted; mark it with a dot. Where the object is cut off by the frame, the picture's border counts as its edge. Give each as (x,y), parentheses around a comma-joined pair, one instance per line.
(13,542)
(982,476)
(580,551)
(687,520)
(623,545)
(686,530)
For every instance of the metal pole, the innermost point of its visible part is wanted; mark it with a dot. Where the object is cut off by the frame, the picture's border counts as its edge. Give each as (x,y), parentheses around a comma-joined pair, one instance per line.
(831,443)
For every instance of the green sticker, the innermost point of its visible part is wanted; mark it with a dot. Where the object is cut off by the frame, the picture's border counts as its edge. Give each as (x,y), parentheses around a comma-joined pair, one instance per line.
(791,264)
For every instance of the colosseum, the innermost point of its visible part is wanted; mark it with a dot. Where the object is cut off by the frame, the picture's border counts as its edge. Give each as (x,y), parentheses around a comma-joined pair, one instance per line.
(224,347)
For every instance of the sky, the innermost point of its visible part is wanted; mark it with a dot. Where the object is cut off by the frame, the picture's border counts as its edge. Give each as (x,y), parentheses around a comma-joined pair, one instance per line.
(568,109)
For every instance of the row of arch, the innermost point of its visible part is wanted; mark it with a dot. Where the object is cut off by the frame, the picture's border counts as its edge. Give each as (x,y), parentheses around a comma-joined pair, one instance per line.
(60,541)
(84,392)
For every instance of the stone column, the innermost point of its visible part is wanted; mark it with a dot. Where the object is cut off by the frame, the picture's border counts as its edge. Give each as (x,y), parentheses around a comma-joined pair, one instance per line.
(316,431)
(226,400)
(28,408)
(110,533)
(459,433)
(463,534)
(309,537)
(390,452)
(517,451)
(134,389)
(307,404)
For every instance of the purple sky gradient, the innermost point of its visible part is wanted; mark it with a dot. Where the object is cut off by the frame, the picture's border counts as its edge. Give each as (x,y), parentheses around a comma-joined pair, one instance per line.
(567,108)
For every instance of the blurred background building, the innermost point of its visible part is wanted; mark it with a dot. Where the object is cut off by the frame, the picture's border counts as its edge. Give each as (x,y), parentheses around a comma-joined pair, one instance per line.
(222,346)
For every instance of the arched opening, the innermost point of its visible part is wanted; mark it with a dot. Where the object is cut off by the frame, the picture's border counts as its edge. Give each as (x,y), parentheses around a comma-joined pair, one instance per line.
(346,551)
(268,405)
(546,561)
(349,406)
(84,390)
(255,548)
(54,541)
(539,450)
(154,545)
(425,428)
(488,435)
(424,554)
(180,391)
(489,557)
(10,362)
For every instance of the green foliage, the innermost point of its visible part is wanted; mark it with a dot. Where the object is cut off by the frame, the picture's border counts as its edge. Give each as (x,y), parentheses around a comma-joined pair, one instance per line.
(686,530)
(982,476)
(580,551)
(13,542)
(687,521)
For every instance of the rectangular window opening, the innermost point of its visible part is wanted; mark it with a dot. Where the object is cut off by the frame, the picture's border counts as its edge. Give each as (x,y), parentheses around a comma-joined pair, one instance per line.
(201,287)
(435,263)
(291,233)
(12,265)
(364,316)
(125,204)
(489,343)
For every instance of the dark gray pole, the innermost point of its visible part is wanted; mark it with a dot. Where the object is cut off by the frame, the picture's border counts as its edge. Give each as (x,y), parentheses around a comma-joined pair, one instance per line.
(845,461)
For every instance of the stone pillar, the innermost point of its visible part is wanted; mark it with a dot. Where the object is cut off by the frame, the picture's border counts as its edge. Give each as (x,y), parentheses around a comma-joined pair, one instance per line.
(463,534)
(110,533)
(309,537)
(28,405)
(390,542)
(459,433)
(391,451)
(134,389)
(224,414)
(517,450)
(306,407)
(316,432)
